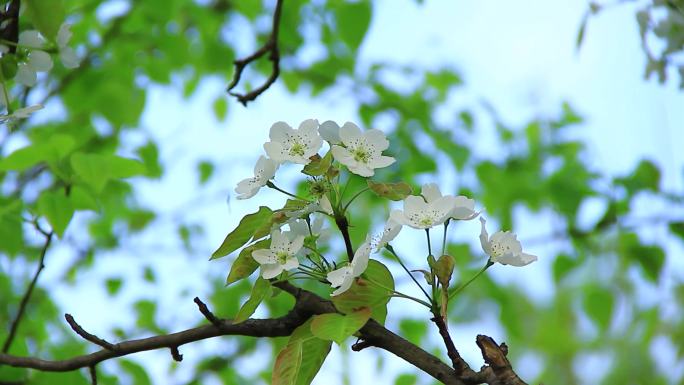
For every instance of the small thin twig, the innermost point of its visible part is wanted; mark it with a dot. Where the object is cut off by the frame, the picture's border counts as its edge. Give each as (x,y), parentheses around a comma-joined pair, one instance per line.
(271,47)
(175,354)
(207,313)
(360,345)
(460,366)
(24,301)
(87,336)
(93,374)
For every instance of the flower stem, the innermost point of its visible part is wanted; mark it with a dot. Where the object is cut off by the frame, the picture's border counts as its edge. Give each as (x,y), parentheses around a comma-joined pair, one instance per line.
(399,294)
(273,186)
(444,236)
(391,250)
(4,92)
(460,288)
(354,197)
(427,234)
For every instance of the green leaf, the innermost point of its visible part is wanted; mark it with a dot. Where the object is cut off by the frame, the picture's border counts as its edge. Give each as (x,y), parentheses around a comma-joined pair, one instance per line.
(392,191)
(353,20)
(206,170)
(677,228)
(363,293)
(261,289)
(9,66)
(57,208)
(313,353)
(288,364)
(11,231)
(244,265)
(113,285)
(651,258)
(599,303)
(563,265)
(82,199)
(646,176)
(97,169)
(243,232)
(337,327)
(138,374)
(319,166)
(220,108)
(51,151)
(47,15)
(413,330)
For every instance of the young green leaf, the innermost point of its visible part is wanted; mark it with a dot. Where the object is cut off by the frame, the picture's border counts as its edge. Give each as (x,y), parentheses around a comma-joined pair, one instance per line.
(337,327)
(288,364)
(261,289)
(364,293)
(319,166)
(392,191)
(57,208)
(313,353)
(243,232)
(244,265)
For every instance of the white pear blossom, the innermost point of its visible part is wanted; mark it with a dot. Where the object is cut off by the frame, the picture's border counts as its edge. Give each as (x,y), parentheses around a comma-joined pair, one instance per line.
(37,60)
(464,207)
(281,256)
(21,113)
(300,227)
(343,277)
(330,132)
(361,152)
(504,247)
(321,205)
(420,214)
(66,53)
(290,145)
(263,171)
(391,230)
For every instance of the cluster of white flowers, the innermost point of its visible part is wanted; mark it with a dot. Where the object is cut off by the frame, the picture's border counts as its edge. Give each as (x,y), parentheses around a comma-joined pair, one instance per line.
(35,58)
(360,152)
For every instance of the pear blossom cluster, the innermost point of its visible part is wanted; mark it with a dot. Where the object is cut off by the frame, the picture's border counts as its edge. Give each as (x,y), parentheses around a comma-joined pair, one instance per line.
(361,152)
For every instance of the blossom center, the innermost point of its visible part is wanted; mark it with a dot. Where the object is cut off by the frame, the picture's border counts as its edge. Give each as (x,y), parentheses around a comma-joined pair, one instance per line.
(499,249)
(361,154)
(282,257)
(297,149)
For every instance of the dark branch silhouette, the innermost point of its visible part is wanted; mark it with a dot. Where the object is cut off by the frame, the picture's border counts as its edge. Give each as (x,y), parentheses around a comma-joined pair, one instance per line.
(498,370)
(270,47)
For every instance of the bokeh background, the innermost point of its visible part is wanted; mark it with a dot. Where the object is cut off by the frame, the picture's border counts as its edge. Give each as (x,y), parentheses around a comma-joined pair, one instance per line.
(563,119)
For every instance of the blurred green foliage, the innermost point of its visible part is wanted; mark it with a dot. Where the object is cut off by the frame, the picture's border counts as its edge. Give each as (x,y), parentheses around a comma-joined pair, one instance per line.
(70,165)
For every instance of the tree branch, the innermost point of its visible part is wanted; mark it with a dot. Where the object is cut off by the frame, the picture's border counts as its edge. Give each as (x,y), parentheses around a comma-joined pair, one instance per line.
(271,47)
(27,295)
(87,336)
(307,304)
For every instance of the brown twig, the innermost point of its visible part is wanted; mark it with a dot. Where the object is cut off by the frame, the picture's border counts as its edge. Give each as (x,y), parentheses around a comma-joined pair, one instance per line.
(495,356)
(27,295)
(460,366)
(87,336)
(93,374)
(175,354)
(207,313)
(270,47)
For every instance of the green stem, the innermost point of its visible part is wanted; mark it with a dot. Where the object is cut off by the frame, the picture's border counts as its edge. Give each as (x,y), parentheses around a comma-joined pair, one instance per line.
(398,294)
(460,288)
(391,250)
(271,185)
(427,233)
(444,236)
(4,91)
(354,197)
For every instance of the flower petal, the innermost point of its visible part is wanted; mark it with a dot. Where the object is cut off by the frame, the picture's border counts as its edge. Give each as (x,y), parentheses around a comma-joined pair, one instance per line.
(330,131)
(377,139)
(337,277)
(349,132)
(484,238)
(40,61)
(291,263)
(31,38)
(68,57)
(275,151)
(264,256)
(26,75)
(64,35)
(280,132)
(382,161)
(271,270)
(430,192)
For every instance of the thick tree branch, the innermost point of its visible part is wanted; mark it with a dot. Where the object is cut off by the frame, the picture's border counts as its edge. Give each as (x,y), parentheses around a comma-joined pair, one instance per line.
(306,305)
(270,47)
(27,295)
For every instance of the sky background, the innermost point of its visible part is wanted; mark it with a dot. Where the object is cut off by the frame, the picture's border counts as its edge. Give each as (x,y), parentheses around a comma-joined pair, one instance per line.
(519,56)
